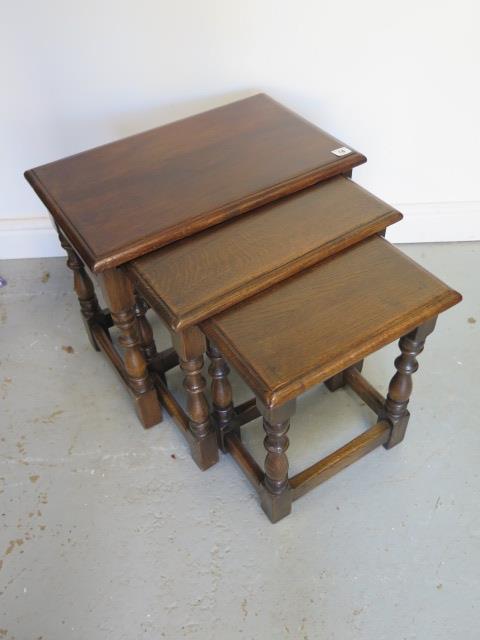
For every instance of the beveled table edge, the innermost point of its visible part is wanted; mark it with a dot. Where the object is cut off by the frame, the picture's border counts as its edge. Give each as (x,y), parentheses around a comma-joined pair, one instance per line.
(240,293)
(273,397)
(135,249)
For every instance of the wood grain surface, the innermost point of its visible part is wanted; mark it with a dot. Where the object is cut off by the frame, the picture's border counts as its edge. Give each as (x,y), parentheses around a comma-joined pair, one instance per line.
(200,276)
(319,322)
(125,199)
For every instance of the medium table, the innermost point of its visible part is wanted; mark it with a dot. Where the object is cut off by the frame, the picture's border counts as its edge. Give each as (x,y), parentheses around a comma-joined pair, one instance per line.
(200,276)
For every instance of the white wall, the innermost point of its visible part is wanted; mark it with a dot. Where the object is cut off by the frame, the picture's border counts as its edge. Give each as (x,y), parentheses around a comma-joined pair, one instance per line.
(399,81)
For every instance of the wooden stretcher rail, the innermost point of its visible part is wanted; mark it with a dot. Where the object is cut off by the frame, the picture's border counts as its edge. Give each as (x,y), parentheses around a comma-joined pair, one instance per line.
(165,360)
(245,461)
(338,460)
(317,473)
(245,412)
(103,341)
(364,390)
(171,404)
(245,406)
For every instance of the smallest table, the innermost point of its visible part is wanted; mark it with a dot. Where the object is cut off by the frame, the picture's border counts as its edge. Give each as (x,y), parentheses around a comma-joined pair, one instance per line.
(316,327)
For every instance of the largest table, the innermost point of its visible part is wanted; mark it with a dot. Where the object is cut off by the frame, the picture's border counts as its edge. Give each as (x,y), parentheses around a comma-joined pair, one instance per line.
(116,203)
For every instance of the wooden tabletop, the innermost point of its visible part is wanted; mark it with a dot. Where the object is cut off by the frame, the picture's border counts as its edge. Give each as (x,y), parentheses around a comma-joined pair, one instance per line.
(204,274)
(323,320)
(127,198)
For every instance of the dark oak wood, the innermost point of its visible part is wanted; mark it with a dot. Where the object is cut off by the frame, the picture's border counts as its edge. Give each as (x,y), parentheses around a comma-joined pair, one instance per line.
(277,503)
(164,361)
(221,391)
(204,450)
(190,346)
(147,343)
(132,369)
(365,391)
(121,200)
(173,407)
(400,388)
(302,482)
(316,327)
(318,323)
(275,494)
(105,344)
(200,276)
(245,461)
(340,459)
(125,199)
(246,412)
(339,380)
(315,322)
(119,296)
(85,291)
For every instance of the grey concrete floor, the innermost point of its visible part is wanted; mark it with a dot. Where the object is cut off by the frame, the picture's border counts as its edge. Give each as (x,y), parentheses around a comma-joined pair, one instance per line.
(110,531)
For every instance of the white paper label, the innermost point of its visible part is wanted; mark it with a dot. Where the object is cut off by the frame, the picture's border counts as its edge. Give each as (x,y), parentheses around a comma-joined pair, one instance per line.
(342,151)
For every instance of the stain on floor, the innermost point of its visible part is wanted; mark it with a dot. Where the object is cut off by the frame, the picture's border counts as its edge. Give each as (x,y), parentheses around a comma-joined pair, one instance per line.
(50,419)
(17,542)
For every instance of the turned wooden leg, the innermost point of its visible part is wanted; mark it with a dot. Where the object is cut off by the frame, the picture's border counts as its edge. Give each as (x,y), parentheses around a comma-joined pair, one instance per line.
(190,346)
(222,404)
(147,343)
(400,387)
(85,291)
(338,380)
(118,292)
(275,493)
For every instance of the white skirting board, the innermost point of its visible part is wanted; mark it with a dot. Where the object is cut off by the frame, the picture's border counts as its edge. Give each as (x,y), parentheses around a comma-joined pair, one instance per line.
(35,237)
(28,238)
(437,222)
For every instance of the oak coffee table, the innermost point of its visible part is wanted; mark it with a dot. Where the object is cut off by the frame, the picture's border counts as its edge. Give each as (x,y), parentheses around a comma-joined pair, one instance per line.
(193,279)
(242,229)
(317,327)
(115,203)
